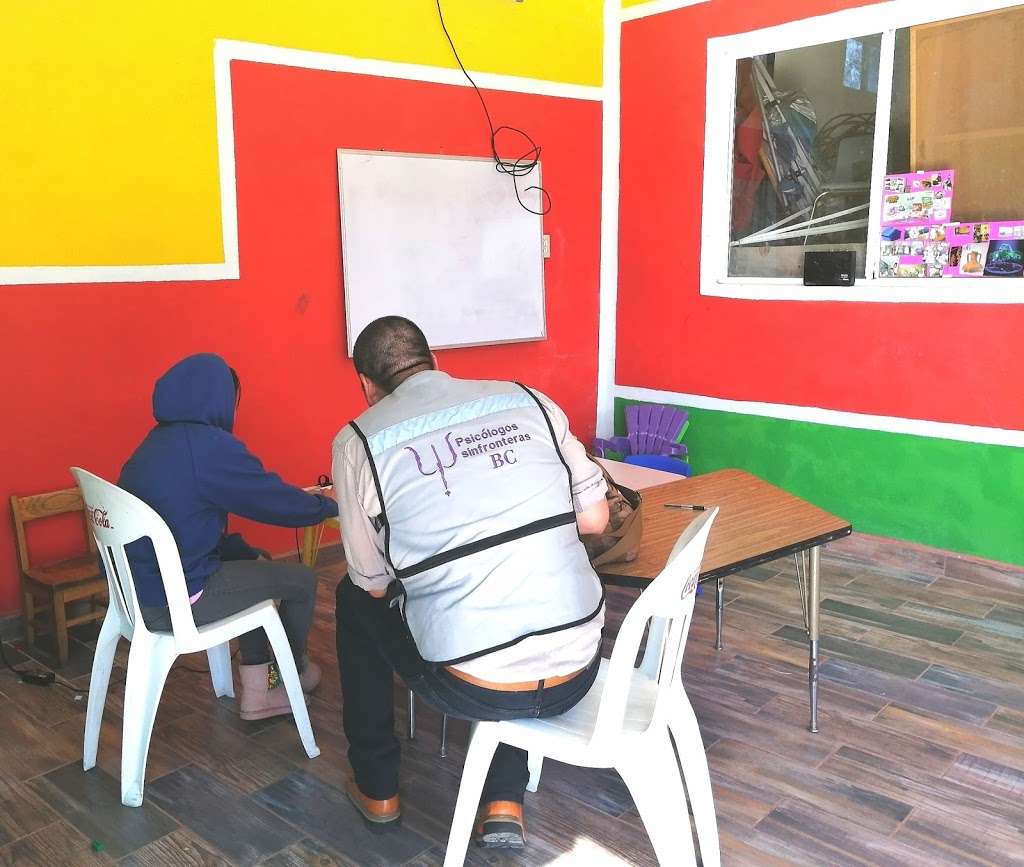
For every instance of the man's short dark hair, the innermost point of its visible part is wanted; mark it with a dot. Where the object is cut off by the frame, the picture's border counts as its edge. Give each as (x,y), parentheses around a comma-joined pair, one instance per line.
(390,350)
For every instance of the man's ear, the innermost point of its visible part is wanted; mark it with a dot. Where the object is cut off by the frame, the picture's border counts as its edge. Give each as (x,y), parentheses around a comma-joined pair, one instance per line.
(371,392)
(434,359)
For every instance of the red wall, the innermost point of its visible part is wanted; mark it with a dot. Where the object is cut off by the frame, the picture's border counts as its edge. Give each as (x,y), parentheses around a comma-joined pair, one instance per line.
(928,361)
(80,360)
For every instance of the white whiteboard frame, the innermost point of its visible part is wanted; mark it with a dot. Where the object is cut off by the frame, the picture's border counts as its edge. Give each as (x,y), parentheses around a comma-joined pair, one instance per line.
(350,338)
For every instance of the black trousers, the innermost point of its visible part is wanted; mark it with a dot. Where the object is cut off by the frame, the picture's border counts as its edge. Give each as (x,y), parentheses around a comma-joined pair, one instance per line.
(373,644)
(241,583)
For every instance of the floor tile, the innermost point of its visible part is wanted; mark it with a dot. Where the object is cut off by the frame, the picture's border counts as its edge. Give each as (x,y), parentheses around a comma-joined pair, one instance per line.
(91,801)
(236,824)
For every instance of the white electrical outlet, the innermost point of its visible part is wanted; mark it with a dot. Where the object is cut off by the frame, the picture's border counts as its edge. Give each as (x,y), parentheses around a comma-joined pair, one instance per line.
(547,246)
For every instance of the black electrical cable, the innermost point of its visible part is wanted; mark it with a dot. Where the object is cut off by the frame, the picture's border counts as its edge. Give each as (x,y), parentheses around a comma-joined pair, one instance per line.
(6,662)
(3,653)
(825,147)
(184,667)
(42,677)
(59,681)
(518,168)
(46,677)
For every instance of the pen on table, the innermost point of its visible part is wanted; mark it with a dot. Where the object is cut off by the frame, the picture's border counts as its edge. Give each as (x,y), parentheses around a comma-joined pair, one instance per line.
(692,508)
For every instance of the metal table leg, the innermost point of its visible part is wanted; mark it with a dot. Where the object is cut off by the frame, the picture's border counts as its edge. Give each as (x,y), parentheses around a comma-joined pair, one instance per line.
(719,607)
(412,715)
(813,604)
(444,736)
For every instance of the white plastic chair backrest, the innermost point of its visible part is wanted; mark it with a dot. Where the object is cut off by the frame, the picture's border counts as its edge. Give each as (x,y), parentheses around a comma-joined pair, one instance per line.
(116,519)
(670,597)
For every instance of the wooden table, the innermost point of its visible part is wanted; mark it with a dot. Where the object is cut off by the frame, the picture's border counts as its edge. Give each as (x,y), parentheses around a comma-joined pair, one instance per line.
(757,522)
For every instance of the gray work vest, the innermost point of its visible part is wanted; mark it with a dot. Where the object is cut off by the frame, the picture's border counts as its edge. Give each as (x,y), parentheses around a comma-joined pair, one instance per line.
(478,521)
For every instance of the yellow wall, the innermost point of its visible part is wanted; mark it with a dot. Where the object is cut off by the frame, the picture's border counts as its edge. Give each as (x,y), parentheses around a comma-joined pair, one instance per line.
(109,149)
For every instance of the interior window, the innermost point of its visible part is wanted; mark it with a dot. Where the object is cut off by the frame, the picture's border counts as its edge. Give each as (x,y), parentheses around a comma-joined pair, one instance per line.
(804,133)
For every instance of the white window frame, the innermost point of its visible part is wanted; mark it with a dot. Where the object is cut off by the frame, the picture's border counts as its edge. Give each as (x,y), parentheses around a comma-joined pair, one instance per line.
(723,53)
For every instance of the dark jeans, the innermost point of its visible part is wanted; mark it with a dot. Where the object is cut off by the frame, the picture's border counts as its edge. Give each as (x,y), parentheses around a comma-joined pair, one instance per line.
(241,583)
(373,643)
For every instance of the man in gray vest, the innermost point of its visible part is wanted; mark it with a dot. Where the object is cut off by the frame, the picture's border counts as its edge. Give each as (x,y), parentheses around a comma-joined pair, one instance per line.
(461,504)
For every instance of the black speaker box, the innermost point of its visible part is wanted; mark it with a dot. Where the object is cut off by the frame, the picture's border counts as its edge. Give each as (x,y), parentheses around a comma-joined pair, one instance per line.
(832,268)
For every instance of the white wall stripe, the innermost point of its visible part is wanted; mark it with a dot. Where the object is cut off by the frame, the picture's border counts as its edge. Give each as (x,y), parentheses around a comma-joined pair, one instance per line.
(222,57)
(864,421)
(656,7)
(225,51)
(609,277)
(302,59)
(39,274)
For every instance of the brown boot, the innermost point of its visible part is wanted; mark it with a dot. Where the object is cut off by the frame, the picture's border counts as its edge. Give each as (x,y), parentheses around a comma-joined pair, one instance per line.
(378,812)
(499,825)
(260,699)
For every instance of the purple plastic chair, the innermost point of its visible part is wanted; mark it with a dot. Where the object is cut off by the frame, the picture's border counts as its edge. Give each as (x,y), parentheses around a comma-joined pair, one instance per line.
(665,463)
(651,429)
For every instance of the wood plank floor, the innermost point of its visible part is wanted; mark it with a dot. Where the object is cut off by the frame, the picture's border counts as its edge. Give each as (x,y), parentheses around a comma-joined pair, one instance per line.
(920,758)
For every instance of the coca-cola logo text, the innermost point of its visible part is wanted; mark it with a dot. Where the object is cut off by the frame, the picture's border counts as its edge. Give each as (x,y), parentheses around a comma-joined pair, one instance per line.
(98,517)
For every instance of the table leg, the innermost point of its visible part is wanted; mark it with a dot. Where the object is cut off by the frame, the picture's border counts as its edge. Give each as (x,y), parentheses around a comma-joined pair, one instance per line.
(412,715)
(719,608)
(813,605)
(444,736)
(310,546)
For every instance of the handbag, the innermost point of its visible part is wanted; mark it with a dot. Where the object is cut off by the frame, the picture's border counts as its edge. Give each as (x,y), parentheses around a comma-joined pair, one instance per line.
(619,542)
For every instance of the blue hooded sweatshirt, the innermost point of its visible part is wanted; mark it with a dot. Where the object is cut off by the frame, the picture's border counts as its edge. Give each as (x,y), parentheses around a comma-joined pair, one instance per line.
(192,471)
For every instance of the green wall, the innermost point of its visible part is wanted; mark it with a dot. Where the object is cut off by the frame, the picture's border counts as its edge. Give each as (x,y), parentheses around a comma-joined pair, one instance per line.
(954,495)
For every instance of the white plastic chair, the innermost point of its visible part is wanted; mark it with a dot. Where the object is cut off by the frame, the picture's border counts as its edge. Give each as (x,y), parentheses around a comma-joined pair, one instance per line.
(116,519)
(624,722)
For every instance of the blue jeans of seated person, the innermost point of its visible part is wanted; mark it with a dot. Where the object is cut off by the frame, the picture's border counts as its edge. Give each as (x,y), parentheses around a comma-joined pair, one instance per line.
(374,643)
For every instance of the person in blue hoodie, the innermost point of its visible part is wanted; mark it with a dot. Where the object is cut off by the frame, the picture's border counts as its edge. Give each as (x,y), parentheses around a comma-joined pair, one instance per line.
(194,472)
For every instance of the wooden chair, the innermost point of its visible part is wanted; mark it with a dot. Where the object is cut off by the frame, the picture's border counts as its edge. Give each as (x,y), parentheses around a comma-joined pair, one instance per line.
(59,583)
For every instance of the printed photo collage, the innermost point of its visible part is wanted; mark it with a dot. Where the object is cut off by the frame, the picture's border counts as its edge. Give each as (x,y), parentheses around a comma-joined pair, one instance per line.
(919,238)
(916,208)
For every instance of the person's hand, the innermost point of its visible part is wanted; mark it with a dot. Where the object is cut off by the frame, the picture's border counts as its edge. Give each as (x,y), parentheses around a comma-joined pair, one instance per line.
(378,594)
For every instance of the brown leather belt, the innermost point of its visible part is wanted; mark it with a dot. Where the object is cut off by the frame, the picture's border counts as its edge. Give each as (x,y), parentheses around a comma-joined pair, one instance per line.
(521,686)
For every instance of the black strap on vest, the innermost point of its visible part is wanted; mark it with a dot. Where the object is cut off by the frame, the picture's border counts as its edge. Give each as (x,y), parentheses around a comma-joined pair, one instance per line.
(554,442)
(518,638)
(380,495)
(488,542)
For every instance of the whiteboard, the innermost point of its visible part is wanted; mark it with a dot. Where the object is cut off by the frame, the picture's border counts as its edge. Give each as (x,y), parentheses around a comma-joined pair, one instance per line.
(443,241)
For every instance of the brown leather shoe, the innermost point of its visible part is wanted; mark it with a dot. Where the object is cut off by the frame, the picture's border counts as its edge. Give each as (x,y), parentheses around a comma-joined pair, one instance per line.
(499,825)
(378,812)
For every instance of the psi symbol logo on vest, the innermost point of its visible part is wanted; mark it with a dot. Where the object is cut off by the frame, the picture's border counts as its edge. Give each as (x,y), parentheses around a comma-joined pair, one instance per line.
(439,465)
